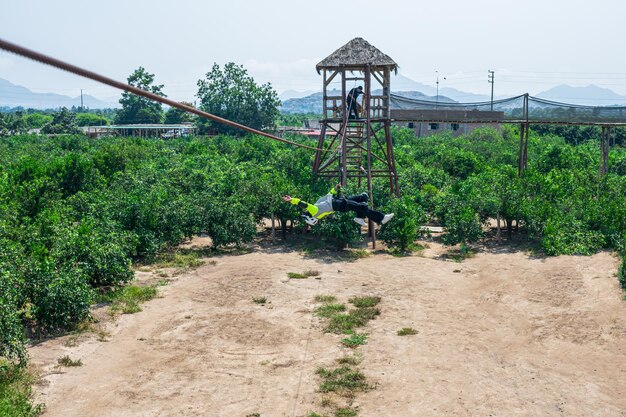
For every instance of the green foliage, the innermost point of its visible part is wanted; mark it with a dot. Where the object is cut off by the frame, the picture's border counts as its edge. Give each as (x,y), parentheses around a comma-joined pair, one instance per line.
(345,381)
(407,331)
(15,392)
(365,301)
(341,229)
(567,235)
(325,298)
(137,109)
(328,310)
(305,274)
(621,273)
(91,119)
(63,122)
(176,116)
(69,362)
(354,340)
(232,94)
(461,221)
(126,299)
(13,124)
(61,298)
(37,120)
(402,231)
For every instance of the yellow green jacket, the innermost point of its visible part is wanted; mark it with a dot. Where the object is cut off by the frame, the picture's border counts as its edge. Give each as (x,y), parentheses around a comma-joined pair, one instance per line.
(322,207)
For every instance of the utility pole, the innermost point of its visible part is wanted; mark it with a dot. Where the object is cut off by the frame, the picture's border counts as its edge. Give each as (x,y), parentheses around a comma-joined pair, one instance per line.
(81,100)
(437,96)
(491,79)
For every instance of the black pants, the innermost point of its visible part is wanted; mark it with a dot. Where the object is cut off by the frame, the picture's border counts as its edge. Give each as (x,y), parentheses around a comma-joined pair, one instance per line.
(352,109)
(358,204)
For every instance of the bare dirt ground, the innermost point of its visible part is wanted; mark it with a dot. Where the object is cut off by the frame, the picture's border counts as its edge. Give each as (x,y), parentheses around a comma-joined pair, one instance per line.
(501,334)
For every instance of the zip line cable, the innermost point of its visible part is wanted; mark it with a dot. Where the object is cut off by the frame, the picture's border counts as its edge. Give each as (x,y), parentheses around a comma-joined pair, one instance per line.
(48,60)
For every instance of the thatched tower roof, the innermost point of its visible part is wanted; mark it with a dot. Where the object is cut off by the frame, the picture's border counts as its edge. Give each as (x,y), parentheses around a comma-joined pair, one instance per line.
(357,53)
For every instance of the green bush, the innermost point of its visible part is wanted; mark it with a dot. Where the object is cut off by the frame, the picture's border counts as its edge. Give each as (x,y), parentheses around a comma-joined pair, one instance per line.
(15,392)
(404,228)
(461,221)
(60,298)
(569,236)
(340,228)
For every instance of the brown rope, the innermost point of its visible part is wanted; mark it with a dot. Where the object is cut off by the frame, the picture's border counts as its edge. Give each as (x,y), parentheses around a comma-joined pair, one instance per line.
(45,59)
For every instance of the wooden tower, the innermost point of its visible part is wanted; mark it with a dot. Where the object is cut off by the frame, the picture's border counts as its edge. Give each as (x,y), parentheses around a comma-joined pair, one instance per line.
(359,149)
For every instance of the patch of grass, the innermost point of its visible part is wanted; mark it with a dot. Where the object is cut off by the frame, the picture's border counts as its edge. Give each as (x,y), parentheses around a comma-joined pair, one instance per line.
(346,322)
(259,300)
(69,362)
(360,302)
(325,298)
(353,360)
(126,299)
(254,415)
(365,314)
(315,415)
(354,340)
(407,331)
(356,254)
(15,391)
(458,255)
(344,381)
(180,259)
(410,250)
(305,274)
(162,282)
(328,310)
(346,412)
(327,403)
(342,323)
(81,329)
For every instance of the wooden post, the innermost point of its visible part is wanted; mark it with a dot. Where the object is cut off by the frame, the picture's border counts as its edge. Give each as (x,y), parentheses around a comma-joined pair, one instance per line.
(604,151)
(343,144)
(368,137)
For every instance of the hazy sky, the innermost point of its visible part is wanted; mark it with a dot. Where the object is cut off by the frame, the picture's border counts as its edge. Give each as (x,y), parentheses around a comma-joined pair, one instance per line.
(531,44)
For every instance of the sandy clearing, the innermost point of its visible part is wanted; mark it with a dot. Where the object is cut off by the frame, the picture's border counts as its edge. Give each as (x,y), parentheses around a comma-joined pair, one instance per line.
(500,334)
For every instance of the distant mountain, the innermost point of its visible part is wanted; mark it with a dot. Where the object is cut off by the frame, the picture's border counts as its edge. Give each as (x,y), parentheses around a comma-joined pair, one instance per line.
(289,94)
(313,103)
(401,83)
(591,95)
(12,95)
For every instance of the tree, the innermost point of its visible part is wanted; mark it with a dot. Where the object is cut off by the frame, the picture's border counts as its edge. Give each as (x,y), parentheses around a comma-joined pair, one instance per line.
(91,119)
(13,124)
(63,121)
(136,109)
(232,94)
(176,116)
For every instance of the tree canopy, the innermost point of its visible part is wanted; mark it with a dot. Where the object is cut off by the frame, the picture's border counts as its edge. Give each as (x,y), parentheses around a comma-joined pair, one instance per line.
(232,94)
(136,109)
(63,121)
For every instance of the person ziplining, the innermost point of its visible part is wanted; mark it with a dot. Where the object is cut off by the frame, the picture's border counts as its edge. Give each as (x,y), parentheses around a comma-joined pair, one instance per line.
(331,203)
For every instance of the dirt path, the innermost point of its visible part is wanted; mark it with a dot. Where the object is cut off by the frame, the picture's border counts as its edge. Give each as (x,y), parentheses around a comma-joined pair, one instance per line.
(500,334)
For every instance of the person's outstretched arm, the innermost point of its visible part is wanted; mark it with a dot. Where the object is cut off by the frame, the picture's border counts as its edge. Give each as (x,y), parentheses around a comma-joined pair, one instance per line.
(302,204)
